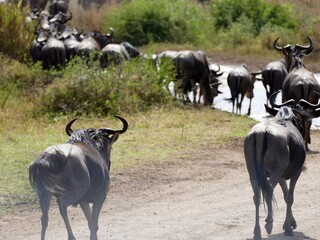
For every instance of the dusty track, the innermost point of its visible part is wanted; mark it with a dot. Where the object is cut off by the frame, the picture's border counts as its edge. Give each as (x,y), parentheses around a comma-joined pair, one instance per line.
(204,196)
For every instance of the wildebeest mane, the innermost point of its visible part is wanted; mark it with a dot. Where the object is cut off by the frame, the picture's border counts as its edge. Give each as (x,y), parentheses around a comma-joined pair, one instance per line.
(85,136)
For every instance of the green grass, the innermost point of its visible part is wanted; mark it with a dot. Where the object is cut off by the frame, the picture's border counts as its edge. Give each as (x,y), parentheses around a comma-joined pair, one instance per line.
(156,136)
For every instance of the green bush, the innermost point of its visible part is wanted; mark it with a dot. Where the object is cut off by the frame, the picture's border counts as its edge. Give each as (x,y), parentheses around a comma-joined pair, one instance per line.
(16,34)
(239,33)
(21,77)
(260,12)
(151,21)
(132,87)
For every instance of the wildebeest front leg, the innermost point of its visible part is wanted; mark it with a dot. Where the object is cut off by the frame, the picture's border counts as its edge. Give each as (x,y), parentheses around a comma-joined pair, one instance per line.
(87,211)
(249,109)
(96,208)
(194,89)
(285,190)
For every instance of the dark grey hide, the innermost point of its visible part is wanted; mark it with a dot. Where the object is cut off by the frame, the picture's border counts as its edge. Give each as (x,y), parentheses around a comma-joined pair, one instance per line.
(76,172)
(241,83)
(192,68)
(275,152)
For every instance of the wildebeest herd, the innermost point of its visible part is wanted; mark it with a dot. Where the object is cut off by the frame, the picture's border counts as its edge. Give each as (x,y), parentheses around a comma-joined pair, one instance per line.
(56,43)
(77,172)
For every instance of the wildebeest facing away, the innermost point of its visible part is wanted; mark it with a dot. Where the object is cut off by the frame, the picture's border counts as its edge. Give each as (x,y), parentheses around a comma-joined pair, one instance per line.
(113,54)
(273,76)
(275,152)
(93,42)
(300,83)
(275,72)
(241,83)
(192,67)
(76,172)
(53,53)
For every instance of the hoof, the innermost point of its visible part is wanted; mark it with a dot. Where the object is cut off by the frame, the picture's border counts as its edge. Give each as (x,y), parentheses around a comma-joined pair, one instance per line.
(269,227)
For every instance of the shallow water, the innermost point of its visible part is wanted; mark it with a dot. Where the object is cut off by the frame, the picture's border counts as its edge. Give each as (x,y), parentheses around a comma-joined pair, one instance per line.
(257,106)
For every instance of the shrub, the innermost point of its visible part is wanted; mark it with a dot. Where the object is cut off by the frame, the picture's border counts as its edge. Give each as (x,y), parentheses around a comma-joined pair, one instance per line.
(134,86)
(147,21)
(16,33)
(239,33)
(227,12)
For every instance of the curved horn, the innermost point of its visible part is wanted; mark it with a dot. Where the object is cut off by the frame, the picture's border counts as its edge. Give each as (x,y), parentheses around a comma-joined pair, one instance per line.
(65,17)
(217,70)
(125,124)
(306,104)
(275,46)
(110,131)
(306,48)
(272,100)
(68,127)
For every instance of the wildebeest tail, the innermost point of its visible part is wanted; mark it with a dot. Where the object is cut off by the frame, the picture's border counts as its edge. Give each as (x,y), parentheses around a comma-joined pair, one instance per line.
(44,172)
(234,88)
(260,147)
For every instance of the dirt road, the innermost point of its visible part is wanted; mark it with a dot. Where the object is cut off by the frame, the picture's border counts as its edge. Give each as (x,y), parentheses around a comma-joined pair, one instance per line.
(206,196)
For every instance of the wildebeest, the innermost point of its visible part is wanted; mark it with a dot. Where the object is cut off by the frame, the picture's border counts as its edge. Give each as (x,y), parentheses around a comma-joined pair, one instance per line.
(53,53)
(76,172)
(71,42)
(57,6)
(93,42)
(133,51)
(275,72)
(300,83)
(192,67)
(113,53)
(273,75)
(241,83)
(275,152)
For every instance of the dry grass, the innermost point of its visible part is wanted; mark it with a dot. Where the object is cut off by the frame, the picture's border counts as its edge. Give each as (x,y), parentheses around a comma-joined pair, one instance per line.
(153,137)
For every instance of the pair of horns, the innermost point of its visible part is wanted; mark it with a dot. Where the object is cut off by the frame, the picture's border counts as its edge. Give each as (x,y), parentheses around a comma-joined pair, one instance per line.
(298,47)
(292,102)
(108,131)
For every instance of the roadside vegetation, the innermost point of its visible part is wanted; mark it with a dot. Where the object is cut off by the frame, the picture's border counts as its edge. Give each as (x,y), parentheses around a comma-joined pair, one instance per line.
(35,105)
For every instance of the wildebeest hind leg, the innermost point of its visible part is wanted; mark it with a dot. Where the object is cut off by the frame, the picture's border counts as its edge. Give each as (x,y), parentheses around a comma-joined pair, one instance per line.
(256,199)
(45,199)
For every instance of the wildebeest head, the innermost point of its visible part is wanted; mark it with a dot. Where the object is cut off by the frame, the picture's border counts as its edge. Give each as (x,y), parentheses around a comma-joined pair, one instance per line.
(101,139)
(58,6)
(214,81)
(291,52)
(95,136)
(298,113)
(133,51)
